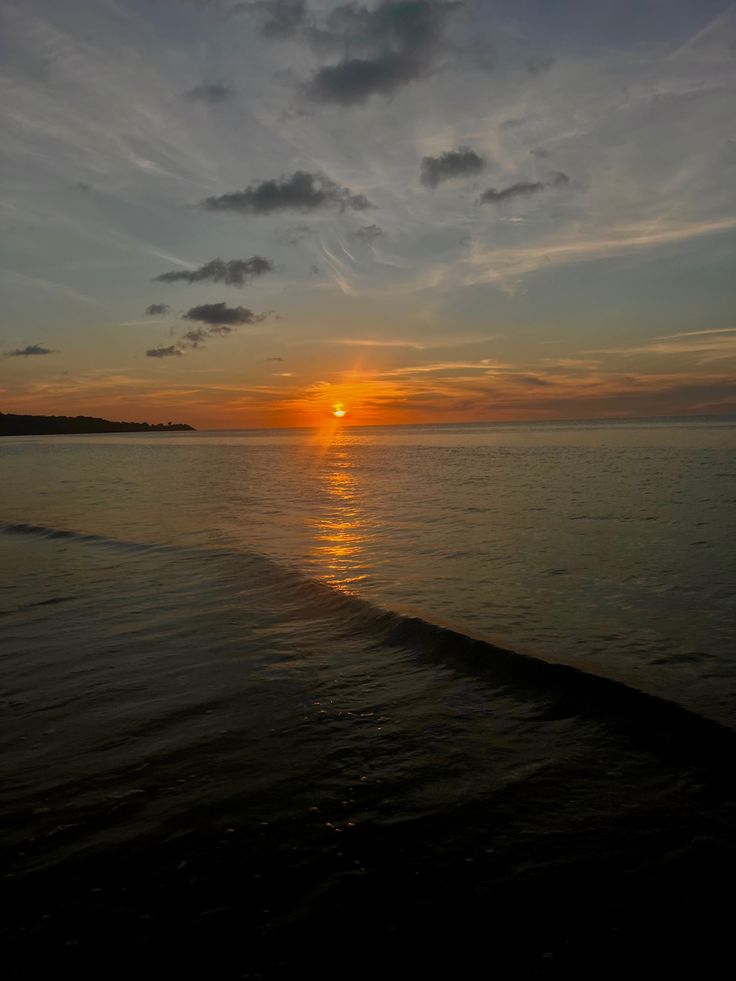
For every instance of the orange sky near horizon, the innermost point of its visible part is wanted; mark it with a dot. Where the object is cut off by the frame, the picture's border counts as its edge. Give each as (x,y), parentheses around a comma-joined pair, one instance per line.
(421,394)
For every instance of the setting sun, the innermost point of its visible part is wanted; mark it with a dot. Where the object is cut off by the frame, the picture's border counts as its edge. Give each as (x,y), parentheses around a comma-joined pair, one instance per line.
(339,410)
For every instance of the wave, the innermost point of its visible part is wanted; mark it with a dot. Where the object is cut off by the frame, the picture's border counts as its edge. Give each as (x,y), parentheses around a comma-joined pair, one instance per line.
(570,690)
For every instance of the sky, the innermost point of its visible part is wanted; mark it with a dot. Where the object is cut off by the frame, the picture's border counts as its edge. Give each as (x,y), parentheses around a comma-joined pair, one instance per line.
(242,214)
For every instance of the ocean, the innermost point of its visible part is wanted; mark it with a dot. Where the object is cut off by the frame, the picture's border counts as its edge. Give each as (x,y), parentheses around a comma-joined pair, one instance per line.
(394,701)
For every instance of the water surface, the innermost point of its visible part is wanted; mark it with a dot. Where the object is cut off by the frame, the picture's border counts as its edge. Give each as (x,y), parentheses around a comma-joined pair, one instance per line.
(238,741)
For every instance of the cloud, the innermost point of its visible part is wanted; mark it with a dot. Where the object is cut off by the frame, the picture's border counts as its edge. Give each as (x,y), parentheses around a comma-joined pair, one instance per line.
(231,272)
(697,333)
(194,338)
(301,191)
(156,309)
(213,93)
(707,345)
(353,81)
(214,320)
(274,359)
(368,234)
(30,350)
(172,351)
(522,189)
(519,190)
(462,162)
(384,48)
(280,18)
(293,235)
(222,318)
(499,265)
(372,342)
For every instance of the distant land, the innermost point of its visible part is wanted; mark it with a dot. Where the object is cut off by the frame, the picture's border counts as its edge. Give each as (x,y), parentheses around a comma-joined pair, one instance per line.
(14,425)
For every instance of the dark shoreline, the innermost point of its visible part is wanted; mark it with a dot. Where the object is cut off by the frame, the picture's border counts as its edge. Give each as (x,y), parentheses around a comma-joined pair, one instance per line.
(27,425)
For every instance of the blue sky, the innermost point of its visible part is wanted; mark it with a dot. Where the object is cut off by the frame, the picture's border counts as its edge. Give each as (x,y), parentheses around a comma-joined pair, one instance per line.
(573,258)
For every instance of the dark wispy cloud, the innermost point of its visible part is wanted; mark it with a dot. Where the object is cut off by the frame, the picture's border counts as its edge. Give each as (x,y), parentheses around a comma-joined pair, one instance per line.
(30,350)
(157,309)
(301,191)
(212,93)
(274,359)
(231,272)
(557,179)
(221,318)
(462,162)
(368,234)
(535,66)
(195,338)
(278,18)
(522,189)
(384,48)
(82,186)
(293,235)
(173,351)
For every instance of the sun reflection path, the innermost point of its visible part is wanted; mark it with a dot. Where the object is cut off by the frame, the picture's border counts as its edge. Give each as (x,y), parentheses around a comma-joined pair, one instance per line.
(341,531)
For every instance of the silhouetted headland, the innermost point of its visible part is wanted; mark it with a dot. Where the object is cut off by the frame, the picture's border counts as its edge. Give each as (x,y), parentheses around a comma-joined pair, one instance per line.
(17,425)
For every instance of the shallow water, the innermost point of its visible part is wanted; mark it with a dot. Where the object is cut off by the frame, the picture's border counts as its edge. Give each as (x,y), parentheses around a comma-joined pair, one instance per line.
(226,742)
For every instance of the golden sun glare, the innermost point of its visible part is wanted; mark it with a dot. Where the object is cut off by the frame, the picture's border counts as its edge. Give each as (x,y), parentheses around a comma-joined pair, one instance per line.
(339,410)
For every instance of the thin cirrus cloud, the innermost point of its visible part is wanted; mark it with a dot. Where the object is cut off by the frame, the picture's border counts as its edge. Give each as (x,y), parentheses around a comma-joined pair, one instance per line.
(231,272)
(301,191)
(30,350)
(450,165)
(710,345)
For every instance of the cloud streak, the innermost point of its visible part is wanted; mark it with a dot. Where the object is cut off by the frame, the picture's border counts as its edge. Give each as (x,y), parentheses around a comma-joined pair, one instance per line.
(501,265)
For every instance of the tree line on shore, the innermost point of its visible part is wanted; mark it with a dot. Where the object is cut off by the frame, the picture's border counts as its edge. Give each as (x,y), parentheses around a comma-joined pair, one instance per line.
(20,425)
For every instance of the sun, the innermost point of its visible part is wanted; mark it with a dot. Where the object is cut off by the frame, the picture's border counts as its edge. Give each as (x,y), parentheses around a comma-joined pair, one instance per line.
(339,410)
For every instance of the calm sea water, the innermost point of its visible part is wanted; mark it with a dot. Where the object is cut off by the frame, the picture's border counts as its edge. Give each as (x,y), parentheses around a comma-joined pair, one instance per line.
(263,696)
